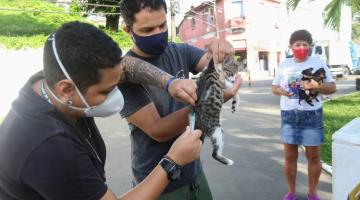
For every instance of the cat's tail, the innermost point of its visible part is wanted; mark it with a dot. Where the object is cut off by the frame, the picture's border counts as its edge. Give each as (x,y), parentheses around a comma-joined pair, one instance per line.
(235,104)
(236,99)
(217,140)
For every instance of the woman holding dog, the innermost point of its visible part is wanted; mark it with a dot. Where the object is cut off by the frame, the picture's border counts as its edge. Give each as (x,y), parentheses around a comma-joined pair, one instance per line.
(301,121)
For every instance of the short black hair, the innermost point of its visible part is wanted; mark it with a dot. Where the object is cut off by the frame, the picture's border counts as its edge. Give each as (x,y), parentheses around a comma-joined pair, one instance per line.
(303,35)
(128,8)
(83,50)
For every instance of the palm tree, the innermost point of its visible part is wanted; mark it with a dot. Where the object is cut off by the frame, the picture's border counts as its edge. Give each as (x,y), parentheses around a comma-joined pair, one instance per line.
(332,11)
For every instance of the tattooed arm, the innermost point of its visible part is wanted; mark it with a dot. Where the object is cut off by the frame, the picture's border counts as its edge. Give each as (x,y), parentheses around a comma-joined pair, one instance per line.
(138,71)
(141,72)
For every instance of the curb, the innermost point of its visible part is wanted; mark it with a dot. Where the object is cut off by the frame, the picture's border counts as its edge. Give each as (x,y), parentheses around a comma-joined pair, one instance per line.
(327,168)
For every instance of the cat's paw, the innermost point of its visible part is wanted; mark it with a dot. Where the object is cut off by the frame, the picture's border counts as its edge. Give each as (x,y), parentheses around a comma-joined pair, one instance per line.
(230,162)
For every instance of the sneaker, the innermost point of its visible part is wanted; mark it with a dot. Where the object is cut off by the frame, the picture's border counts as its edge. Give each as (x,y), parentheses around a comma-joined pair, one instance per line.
(290,196)
(313,197)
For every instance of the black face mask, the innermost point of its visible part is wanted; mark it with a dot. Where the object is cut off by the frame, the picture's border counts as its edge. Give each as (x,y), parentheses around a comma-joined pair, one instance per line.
(152,44)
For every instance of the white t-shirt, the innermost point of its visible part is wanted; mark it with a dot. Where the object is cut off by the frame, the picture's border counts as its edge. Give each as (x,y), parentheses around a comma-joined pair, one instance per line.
(288,77)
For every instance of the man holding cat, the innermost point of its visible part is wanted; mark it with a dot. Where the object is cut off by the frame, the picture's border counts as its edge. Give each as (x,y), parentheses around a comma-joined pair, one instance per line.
(156,120)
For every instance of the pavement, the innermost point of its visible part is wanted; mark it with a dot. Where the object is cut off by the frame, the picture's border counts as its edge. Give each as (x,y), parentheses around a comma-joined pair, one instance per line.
(251,137)
(16,66)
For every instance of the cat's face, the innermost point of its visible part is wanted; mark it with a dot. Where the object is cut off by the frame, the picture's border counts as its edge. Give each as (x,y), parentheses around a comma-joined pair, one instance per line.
(230,66)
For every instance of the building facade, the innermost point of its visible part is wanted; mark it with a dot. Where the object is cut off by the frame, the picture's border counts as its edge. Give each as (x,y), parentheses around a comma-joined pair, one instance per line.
(259,30)
(253,28)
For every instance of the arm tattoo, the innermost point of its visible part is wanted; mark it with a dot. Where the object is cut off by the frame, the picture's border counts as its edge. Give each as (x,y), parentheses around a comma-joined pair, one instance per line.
(138,71)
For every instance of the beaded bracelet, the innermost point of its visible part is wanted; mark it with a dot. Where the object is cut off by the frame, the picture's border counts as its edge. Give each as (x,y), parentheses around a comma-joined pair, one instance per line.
(168,82)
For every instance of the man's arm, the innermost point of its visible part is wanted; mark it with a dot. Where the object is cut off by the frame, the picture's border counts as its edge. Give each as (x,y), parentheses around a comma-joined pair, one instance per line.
(184,150)
(218,50)
(203,62)
(159,128)
(149,189)
(141,72)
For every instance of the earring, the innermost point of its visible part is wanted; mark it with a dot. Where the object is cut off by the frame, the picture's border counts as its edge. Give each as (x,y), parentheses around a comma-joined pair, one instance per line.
(69,102)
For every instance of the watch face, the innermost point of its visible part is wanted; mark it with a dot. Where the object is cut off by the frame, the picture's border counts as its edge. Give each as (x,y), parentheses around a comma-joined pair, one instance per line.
(176,174)
(173,170)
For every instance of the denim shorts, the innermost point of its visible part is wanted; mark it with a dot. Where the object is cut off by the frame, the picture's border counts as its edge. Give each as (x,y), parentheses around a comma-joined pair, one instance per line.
(302,127)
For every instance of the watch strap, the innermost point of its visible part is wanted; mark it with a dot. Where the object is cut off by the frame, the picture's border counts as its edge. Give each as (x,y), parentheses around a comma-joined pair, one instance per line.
(169,165)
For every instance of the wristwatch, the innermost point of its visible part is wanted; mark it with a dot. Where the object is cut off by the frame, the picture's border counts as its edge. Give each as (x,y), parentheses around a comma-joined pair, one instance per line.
(173,170)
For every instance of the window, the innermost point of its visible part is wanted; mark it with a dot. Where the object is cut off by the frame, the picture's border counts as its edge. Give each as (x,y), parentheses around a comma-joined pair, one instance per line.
(237,8)
(205,15)
(193,23)
(206,18)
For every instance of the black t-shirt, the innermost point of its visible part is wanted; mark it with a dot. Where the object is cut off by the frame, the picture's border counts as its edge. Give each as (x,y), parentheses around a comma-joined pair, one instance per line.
(177,60)
(43,155)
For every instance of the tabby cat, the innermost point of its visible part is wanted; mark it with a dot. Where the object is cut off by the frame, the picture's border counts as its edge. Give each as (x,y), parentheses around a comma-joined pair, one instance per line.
(211,98)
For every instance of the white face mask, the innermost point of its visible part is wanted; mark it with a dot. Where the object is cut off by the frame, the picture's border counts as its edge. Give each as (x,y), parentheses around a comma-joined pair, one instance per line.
(113,103)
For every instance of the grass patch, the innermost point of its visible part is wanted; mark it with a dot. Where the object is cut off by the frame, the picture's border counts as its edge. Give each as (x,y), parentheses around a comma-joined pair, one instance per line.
(337,113)
(29,29)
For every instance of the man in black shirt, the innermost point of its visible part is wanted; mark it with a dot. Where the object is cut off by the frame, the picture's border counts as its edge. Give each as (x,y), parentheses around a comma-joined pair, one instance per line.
(50,147)
(155,118)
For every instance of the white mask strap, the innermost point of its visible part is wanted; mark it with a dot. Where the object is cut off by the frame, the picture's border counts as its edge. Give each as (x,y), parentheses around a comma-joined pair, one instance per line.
(64,70)
(59,100)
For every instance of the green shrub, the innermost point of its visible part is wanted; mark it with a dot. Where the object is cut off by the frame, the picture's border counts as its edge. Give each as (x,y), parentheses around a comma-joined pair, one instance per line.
(30,29)
(121,38)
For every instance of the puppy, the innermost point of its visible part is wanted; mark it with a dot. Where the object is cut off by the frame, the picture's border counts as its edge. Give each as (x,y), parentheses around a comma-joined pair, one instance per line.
(304,94)
(309,95)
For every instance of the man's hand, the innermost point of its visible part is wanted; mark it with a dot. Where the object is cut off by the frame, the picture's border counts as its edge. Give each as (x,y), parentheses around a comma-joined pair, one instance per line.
(230,93)
(219,49)
(307,85)
(187,147)
(183,90)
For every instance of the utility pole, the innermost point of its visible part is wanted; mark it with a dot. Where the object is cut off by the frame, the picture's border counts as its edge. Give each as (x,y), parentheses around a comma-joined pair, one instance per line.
(216,20)
(174,9)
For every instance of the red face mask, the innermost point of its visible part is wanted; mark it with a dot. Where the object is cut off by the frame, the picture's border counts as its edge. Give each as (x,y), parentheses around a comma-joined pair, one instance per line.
(300,53)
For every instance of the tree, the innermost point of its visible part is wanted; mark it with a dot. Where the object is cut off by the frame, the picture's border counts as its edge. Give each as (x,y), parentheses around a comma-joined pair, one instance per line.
(104,6)
(332,11)
(355,36)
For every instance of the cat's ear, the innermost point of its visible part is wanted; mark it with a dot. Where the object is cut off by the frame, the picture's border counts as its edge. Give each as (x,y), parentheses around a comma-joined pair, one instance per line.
(211,63)
(229,58)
